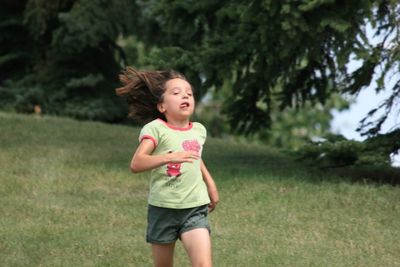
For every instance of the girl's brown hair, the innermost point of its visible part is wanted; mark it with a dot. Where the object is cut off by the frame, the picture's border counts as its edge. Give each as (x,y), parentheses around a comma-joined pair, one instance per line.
(143,91)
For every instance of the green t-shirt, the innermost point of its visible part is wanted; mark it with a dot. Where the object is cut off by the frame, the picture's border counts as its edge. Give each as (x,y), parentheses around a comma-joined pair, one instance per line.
(173,185)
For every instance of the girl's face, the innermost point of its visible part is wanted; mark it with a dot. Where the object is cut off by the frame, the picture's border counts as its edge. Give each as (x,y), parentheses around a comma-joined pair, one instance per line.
(178,101)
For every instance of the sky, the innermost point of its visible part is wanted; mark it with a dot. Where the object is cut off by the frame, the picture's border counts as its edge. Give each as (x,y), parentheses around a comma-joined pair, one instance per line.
(346,122)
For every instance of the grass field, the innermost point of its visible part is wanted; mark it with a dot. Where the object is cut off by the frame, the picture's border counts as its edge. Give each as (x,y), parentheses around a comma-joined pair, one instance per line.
(67,198)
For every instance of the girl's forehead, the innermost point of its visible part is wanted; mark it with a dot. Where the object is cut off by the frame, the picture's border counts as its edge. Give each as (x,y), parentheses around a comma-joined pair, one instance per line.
(177,83)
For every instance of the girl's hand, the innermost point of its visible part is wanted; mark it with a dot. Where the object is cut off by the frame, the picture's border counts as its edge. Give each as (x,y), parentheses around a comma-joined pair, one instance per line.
(143,160)
(183,156)
(214,198)
(211,187)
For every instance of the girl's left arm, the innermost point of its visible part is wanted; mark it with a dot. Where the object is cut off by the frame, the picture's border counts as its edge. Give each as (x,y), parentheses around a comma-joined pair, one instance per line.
(211,186)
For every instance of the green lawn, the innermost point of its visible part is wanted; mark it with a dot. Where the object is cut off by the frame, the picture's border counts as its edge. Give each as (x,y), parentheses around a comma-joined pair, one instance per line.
(67,198)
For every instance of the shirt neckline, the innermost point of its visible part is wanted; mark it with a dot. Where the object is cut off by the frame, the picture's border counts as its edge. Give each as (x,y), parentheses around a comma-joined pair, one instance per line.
(190,126)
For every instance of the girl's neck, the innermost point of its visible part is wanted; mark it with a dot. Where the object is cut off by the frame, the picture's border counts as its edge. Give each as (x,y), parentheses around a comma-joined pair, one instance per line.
(179,124)
(183,123)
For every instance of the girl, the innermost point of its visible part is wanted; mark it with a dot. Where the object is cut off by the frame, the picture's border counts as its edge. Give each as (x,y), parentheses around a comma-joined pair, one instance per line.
(182,191)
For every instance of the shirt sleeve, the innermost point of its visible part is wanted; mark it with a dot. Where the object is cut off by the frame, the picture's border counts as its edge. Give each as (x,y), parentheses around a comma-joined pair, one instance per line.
(202,132)
(149,131)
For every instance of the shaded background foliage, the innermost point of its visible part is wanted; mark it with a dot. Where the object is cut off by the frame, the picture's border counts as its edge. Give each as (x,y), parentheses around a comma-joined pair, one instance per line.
(271,70)
(301,47)
(62,56)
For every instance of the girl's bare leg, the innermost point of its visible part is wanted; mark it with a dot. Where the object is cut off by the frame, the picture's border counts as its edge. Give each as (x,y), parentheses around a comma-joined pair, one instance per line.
(163,254)
(197,243)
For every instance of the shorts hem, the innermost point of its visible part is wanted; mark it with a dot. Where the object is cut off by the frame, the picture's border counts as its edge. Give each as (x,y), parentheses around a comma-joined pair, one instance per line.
(160,242)
(192,228)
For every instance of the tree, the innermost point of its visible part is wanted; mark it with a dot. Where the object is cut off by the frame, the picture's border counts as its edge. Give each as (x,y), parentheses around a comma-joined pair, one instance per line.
(16,51)
(299,48)
(292,128)
(302,47)
(62,55)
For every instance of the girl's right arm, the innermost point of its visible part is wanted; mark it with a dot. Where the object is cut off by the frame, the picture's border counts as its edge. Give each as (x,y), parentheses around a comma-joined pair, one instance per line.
(143,160)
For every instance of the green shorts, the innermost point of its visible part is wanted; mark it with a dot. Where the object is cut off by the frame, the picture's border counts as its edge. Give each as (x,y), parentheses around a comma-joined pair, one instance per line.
(167,225)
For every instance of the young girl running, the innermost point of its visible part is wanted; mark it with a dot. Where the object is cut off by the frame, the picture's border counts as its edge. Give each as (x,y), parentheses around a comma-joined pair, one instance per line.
(182,191)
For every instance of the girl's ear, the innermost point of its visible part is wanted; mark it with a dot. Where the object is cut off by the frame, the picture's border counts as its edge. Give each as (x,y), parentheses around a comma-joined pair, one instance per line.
(160,107)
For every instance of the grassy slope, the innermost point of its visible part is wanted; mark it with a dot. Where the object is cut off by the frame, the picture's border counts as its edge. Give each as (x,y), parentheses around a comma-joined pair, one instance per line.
(67,198)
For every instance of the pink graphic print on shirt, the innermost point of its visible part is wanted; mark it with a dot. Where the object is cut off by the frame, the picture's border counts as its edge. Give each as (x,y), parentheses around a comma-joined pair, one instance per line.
(174,169)
(191,145)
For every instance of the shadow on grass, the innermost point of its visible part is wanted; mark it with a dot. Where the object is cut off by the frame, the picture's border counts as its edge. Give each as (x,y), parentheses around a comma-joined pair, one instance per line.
(261,162)
(369,174)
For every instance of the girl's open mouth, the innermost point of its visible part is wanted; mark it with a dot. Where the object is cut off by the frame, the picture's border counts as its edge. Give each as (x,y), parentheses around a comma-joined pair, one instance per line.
(184,105)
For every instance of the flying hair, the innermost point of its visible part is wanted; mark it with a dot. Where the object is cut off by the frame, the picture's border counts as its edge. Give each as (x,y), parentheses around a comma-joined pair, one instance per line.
(143,91)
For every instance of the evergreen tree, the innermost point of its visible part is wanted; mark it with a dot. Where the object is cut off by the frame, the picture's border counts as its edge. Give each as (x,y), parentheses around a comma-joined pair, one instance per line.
(303,47)
(64,56)
(16,49)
